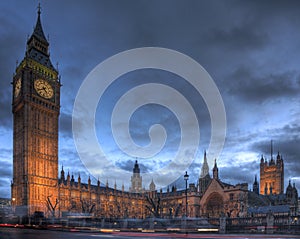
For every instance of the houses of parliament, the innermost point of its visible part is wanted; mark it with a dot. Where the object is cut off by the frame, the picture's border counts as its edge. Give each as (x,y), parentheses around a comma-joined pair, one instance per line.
(39,185)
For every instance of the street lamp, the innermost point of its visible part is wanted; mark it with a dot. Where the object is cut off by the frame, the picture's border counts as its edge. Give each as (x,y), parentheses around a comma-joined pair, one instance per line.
(186,178)
(13,204)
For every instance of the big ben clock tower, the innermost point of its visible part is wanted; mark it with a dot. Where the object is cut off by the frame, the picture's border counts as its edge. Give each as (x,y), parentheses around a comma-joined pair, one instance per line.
(35,107)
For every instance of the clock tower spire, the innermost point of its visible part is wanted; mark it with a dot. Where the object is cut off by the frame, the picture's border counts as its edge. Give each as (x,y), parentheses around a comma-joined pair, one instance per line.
(38,46)
(35,108)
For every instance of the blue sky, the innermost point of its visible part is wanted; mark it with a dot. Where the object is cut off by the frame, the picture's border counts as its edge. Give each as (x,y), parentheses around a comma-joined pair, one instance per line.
(250,48)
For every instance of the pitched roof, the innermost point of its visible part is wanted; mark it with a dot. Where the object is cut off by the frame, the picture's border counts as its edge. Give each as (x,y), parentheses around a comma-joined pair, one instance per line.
(38,30)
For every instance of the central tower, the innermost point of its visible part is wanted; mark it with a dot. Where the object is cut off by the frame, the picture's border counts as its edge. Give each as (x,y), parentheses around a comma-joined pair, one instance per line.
(136,179)
(271,176)
(35,108)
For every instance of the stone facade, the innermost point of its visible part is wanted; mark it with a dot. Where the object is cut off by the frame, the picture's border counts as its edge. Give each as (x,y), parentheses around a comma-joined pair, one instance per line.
(222,199)
(36,108)
(272,176)
(36,186)
(136,179)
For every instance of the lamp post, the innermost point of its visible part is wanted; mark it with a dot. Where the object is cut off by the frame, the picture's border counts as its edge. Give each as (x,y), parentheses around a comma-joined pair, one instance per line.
(186,178)
(13,205)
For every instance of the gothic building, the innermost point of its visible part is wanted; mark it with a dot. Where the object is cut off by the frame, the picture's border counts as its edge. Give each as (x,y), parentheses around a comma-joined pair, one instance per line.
(272,183)
(35,107)
(271,175)
(136,179)
(36,186)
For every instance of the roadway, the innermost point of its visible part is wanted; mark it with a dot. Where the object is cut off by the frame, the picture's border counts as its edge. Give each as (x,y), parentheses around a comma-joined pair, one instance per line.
(21,233)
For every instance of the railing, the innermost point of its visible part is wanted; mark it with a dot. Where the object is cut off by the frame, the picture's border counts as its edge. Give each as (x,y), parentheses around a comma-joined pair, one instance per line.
(278,224)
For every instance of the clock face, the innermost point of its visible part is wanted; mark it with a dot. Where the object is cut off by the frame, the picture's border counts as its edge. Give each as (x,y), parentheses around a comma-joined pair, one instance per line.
(18,87)
(43,88)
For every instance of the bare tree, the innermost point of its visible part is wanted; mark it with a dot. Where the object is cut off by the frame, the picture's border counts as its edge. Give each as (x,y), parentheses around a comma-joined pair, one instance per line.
(154,205)
(87,206)
(72,205)
(50,206)
(177,210)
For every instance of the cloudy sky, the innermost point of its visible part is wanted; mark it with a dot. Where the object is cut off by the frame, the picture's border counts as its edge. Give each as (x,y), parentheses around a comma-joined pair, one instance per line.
(250,49)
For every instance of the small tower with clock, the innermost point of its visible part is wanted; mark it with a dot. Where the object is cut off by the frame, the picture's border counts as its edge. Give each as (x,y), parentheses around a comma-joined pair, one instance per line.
(35,108)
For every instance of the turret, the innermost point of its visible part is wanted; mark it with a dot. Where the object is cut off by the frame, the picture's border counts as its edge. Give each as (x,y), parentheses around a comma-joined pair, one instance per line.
(262,160)
(72,179)
(89,183)
(205,168)
(205,178)
(98,185)
(136,179)
(279,160)
(295,192)
(256,186)
(79,179)
(278,157)
(68,178)
(136,168)
(215,171)
(62,174)
(289,190)
(152,186)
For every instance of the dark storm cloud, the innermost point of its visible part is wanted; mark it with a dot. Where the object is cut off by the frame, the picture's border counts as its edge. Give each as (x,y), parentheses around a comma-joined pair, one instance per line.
(285,140)
(128,165)
(6,175)
(65,125)
(257,89)
(6,152)
(235,139)
(70,161)
(6,115)
(292,170)
(272,8)
(69,158)
(250,48)
(240,38)
(5,188)
(11,45)
(244,173)
(5,185)
(5,169)
(193,172)
(285,146)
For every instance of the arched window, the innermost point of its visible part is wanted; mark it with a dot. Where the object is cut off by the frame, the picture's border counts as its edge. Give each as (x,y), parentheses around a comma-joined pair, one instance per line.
(214,205)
